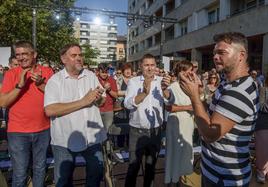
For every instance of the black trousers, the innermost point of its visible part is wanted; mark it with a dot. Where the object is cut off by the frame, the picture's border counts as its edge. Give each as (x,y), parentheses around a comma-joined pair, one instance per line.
(143,142)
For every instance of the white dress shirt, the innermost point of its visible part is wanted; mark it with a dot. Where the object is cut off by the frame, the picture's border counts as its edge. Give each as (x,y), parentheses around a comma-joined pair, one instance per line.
(149,113)
(81,128)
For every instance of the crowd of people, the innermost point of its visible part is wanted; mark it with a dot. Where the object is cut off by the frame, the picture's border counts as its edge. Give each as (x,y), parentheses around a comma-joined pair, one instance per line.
(71,109)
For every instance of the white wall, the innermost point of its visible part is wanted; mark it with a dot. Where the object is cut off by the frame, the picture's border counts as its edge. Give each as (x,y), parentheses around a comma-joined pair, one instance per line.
(4,55)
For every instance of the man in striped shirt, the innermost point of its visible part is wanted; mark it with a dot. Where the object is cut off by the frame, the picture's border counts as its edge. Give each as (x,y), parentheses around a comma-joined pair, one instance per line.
(227,129)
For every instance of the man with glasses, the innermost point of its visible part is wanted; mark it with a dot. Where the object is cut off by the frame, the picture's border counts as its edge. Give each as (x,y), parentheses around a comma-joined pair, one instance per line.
(28,128)
(72,97)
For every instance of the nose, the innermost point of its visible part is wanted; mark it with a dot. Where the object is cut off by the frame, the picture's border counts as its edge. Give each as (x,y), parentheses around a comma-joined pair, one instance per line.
(215,57)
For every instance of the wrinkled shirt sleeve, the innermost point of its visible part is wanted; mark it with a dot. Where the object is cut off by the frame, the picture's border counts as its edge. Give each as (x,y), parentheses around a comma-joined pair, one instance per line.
(131,93)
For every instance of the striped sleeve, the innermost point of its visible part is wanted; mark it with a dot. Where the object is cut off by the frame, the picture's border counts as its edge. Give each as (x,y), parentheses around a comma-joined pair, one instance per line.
(235,104)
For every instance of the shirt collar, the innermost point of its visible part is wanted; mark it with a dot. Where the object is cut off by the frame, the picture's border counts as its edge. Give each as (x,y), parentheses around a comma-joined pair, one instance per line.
(81,75)
(142,78)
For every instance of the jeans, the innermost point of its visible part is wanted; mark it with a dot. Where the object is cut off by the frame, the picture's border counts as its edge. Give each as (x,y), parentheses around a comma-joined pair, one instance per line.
(143,142)
(26,146)
(65,164)
(107,119)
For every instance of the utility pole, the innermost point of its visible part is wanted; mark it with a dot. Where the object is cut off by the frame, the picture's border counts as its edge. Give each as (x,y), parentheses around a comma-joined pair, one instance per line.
(34,28)
(162,42)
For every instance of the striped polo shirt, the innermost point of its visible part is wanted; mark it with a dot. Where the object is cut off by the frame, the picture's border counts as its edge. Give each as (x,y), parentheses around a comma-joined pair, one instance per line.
(226,161)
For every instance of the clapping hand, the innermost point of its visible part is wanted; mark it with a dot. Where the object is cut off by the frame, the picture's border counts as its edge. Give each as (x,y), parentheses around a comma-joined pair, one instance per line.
(147,84)
(37,77)
(92,96)
(189,83)
(165,81)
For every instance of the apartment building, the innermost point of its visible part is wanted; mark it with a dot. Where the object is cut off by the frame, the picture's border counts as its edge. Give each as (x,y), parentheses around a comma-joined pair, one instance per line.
(198,21)
(102,36)
(121,50)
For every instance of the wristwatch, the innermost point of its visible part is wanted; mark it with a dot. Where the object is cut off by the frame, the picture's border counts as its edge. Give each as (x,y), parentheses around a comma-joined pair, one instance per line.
(18,87)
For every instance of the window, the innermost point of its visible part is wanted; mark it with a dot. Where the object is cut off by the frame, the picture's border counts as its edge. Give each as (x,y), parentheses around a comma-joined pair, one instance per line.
(150,2)
(93,41)
(121,50)
(159,12)
(251,4)
(103,41)
(112,28)
(103,49)
(103,27)
(142,45)
(170,5)
(133,4)
(158,38)
(84,25)
(149,42)
(93,33)
(103,34)
(184,29)
(142,9)
(169,33)
(112,42)
(83,41)
(136,31)
(94,27)
(213,16)
(111,49)
(136,48)
(84,33)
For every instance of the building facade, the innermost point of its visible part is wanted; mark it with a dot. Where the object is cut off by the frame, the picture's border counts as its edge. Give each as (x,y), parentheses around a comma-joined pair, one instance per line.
(102,36)
(198,22)
(121,50)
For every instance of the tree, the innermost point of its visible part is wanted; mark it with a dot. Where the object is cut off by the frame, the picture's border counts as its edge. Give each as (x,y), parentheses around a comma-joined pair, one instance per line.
(52,34)
(90,54)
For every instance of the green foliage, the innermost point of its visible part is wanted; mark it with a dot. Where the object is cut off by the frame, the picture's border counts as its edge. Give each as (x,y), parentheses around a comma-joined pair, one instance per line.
(52,34)
(90,54)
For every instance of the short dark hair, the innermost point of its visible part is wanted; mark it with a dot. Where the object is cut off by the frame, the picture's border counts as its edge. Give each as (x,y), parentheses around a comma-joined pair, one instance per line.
(126,66)
(147,56)
(182,66)
(10,59)
(103,67)
(67,47)
(232,37)
(23,44)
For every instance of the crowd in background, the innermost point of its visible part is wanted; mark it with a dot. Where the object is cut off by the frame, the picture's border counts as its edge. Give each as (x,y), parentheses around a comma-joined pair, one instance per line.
(179,118)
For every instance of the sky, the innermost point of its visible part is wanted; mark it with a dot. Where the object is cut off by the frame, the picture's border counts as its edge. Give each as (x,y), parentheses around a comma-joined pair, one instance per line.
(113,5)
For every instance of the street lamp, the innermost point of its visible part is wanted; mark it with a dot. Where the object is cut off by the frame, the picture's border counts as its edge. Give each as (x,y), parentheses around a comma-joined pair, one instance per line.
(34,28)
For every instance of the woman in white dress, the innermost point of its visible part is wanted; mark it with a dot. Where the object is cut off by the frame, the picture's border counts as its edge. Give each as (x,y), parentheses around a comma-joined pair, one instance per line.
(179,131)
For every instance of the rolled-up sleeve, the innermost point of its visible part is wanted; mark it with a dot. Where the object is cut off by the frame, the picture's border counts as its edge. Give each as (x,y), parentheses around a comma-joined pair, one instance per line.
(131,93)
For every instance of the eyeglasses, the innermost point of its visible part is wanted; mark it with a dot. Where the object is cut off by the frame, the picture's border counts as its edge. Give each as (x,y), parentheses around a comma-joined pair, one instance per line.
(213,77)
(24,55)
(119,73)
(195,66)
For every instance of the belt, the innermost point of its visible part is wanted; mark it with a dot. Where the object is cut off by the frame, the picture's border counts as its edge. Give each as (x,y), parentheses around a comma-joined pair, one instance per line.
(141,130)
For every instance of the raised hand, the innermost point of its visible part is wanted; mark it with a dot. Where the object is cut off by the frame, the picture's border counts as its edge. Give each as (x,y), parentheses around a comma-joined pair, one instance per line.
(189,83)
(107,86)
(23,77)
(165,81)
(147,84)
(92,96)
(37,77)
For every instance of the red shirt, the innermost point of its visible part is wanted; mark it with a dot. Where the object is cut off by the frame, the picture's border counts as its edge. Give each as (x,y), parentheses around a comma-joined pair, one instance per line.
(108,106)
(26,114)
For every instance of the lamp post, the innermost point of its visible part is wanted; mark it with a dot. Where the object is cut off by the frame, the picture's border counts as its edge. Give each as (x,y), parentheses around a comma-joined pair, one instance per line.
(162,41)
(34,28)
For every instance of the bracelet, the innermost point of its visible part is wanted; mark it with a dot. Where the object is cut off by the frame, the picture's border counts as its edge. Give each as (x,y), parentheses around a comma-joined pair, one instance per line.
(18,87)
